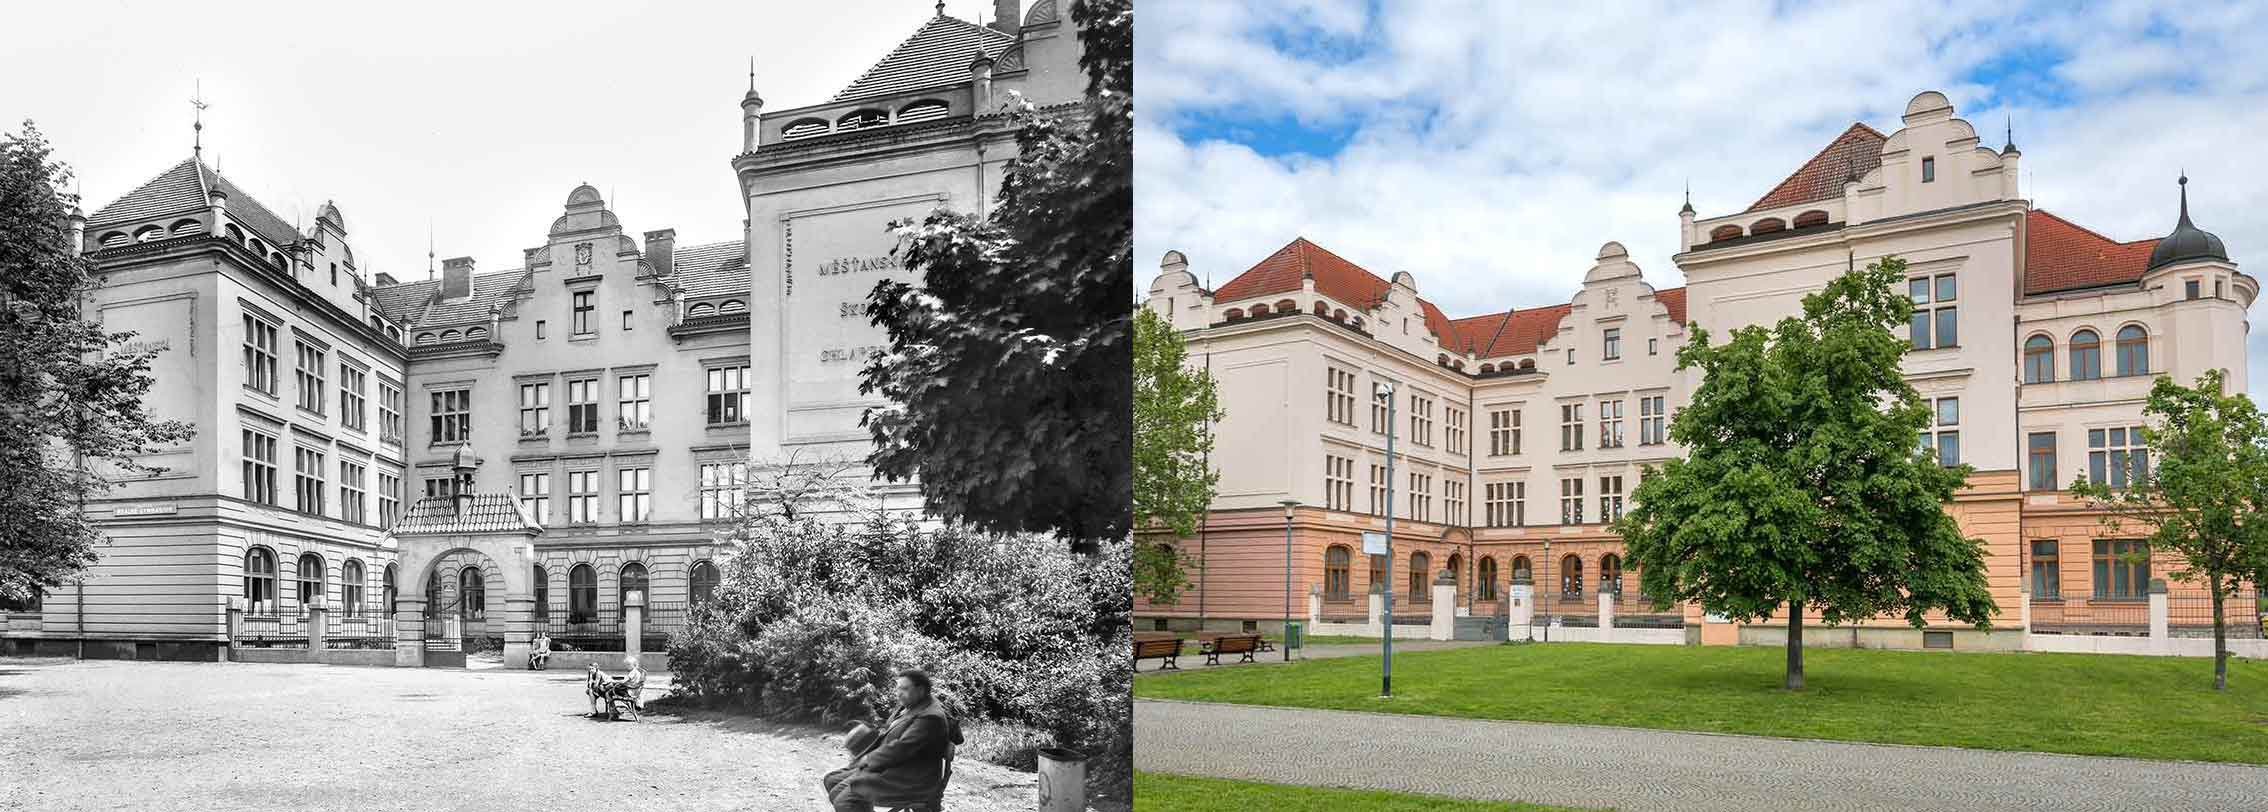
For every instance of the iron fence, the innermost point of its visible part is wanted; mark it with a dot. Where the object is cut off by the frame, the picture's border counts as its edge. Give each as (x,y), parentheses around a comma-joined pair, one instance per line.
(599,630)
(272,631)
(359,632)
(2190,614)
(664,621)
(1634,610)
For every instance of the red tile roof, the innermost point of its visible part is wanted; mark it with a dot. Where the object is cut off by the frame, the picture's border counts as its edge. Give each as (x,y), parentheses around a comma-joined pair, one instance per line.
(1674,299)
(2062,255)
(1856,151)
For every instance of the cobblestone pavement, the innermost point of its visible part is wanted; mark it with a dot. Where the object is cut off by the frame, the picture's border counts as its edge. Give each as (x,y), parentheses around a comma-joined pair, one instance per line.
(1630,769)
(229,736)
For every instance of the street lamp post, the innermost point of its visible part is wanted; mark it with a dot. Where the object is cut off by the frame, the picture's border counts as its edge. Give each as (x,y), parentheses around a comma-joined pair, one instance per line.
(1385,391)
(1549,604)
(1288,504)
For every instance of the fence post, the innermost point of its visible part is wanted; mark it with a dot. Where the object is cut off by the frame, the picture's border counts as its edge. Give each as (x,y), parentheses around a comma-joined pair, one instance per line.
(633,622)
(1606,615)
(1520,611)
(315,630)
(1444,606)
(1377,609)
(2024,615)
(235,627)
(2158,613)
(1314,607)
(409,631)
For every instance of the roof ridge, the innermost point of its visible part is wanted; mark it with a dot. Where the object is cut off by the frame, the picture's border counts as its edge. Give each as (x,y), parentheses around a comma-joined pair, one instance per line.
(1806,164)
(2090,232)
(891,55)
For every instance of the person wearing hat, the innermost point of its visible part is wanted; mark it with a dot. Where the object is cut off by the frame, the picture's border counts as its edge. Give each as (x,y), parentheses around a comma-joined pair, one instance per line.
(905,762)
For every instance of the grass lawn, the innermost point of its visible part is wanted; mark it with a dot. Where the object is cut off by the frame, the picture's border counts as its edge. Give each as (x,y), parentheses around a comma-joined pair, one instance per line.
(2145,707)
(1160,792)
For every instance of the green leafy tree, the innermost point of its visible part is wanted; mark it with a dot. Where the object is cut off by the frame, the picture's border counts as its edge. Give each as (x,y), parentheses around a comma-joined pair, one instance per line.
(1175,407)
(1801,487)
(70,401)
(2211,480)
(1007,367)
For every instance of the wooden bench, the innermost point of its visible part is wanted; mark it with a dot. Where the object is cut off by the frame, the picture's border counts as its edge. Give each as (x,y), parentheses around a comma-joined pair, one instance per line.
(1164,649)
(1243,644)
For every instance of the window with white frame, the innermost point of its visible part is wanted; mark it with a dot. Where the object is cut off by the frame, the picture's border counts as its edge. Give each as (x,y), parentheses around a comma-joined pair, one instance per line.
(1338,396)
(1937,321)
(582,497)
(389,499)
(259,467)
(259,354)
(1503,432)
(1570,427)
(451,419)
(724,487)
(353,409)
(1944,433)
(1571,500)
(310,376)
(728,395)
(1610,498)
(1338,482)
(1507,504)
(1453,501)
(1378,413)
(584,304)
(1377,490)
(2040,454)
(307,479)
(1421,419)
(389,412)
(1453,429)
(1653,425)
(535,493)
(352,477)
(1611,344)
(634,402)
(1610,423)
(2117,456)
(535,409)
(582,406)
(1421,497)
(633,494)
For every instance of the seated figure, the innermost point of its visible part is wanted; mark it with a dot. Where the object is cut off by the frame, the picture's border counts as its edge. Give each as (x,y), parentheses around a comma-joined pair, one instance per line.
(539,652)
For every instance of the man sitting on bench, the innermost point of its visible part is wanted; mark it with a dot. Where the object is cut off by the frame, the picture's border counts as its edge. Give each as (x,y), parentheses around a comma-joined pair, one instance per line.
(905,766)
(539,652)
(630,685)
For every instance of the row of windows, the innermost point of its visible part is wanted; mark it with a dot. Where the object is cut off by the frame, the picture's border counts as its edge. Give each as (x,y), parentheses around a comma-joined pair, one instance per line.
(1338,575)
(310,365)
(726,403)
(2086,353)
(1504,504)
(723,489)
(865,119)
(311,487)
(2121,569)
(581,313)
(2117,457)
(263,595)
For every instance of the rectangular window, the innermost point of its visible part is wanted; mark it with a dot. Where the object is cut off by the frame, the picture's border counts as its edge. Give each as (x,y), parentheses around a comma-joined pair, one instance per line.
(2047,579)
(1612,344)
(1653,346)
(1421,497)
(440,486)
(1944,434)
(1571,500)
(535,409)
(1378,414)
(535,493)
(1928,170)
(1377,490)
(1338,482)
(626,319)
(1610,424)
(1453,501)
(2189,288)
(633,494)
(310,376)
(2122,570)
(307,480)
(259,467)
(1610,498)
(351,478)
(582,497)
(2040,456)
(259,354)
(1453,429)
(1503,432)
(1936,322)
(1653,422)
(1570,356)
(582,406)
(389,412)
(1338,396)
(2117,456)
(635,402)
(1507,504)
(724,487)
(353,409)
(728,395)
(539,329)
(451,420)
(1421,419)
(584,306)
(389,499)
(1570,427)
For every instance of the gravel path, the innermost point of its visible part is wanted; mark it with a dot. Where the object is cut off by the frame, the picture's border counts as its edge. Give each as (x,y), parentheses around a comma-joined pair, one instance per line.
(1631,769)
(228,736)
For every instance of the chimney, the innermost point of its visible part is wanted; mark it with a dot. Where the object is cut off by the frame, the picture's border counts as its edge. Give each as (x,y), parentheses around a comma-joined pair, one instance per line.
(661,250)
(980,76)
(1004,16)
(386,280)
(456,277)
(219,202)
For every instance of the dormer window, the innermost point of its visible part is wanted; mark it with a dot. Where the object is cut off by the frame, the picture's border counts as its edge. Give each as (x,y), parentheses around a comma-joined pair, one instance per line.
(2189,288)
(1928,170)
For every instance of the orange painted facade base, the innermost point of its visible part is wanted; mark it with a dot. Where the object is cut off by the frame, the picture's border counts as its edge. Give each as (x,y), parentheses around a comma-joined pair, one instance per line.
(1720,634)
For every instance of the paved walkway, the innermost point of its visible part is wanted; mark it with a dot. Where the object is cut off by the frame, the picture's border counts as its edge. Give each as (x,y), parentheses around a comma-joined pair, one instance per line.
(1630,769)
(102,735)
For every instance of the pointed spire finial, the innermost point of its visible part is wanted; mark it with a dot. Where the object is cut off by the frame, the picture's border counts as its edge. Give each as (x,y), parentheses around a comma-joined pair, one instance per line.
(1688,208)
(2184,184)
(940,8)
(197,146)
(751,73)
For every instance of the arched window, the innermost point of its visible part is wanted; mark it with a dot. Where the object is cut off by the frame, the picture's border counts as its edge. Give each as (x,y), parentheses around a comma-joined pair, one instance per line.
(388,591)
(1486,369)
(804,128)
(861,119)
(1337,577)
(1528,365)
(1234,313)
(1768,225)
(542,593)
(582,594)
(1377,580)
(1811,218)
(703,581)
(260,581)
(256,245)
(699,310)
(394,333)
(351,586)
(476,334)
(310,578)
(2086,356)
(1487,578)
(1322,309)
(731,306)
(1610,574)
(450,335)
(1521,570)
(113,239)
(633,579)
(1420,565)
(2133,350)
(2039,359)
(1259,310)
(1570,578)
(472,594)
(433,605)
(148,233)
(181,227)
(424,338)
(1723,233)
(1288,306)
(923,110)
(234,234)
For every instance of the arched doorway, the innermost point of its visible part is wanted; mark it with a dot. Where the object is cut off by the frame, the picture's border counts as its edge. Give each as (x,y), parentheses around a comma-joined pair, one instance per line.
(464,619)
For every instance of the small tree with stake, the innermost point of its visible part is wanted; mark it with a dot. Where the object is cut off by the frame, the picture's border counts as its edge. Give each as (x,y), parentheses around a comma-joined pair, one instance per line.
(2211,477)
(1801,487)
(1174,411)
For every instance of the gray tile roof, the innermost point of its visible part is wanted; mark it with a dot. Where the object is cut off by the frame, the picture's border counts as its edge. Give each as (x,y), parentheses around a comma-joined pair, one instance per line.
(413,302)
(938,53)
(488,513)
(715,269)
(403,302)
(182,190)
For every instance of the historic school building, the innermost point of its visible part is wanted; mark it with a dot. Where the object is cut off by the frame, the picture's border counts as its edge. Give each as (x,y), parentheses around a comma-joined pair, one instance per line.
(1521,431)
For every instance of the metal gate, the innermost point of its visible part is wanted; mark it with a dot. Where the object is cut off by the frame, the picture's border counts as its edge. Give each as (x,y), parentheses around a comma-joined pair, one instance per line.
(444,641)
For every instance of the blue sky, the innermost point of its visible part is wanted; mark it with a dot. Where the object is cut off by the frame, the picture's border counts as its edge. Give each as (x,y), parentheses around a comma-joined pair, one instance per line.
(1490,148)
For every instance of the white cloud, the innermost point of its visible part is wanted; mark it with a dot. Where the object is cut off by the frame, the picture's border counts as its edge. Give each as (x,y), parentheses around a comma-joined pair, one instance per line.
(1495,146)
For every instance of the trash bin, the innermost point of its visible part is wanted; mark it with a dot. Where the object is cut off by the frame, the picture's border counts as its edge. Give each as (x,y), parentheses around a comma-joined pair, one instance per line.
(1294,636)
(1062,780)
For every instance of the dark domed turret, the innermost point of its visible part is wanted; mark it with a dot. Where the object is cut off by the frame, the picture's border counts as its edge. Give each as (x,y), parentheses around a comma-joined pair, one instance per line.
(2187,242)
